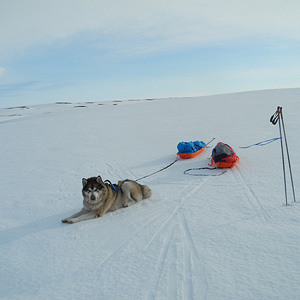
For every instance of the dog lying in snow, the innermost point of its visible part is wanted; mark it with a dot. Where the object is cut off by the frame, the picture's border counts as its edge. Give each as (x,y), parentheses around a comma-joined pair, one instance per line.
(100,197)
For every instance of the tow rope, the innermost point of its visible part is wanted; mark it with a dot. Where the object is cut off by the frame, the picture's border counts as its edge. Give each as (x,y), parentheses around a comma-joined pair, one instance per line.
(187,172)
(172,163)
(263,143)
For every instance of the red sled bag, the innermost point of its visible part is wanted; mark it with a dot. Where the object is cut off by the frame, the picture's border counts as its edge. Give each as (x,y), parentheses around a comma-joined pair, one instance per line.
(223,156)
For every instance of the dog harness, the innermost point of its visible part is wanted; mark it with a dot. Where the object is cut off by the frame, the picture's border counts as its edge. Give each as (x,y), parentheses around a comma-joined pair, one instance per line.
(112,185)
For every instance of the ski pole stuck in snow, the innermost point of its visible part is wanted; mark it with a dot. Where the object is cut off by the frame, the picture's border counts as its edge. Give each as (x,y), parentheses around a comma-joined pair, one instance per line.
(278,116)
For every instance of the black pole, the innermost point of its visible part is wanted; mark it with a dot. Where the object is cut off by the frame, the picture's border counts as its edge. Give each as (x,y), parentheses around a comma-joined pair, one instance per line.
(279,109)
(288,155)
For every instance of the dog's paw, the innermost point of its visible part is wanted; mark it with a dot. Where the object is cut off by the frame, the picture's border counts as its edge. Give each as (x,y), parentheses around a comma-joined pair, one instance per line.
(128,203)
(70,221)
(98,213)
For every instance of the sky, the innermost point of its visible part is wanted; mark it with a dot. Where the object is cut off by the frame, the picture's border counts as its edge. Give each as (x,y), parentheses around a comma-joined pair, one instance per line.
(96,50)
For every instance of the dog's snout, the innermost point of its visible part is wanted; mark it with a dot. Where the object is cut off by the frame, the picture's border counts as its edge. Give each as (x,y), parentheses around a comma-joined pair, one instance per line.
(93,197)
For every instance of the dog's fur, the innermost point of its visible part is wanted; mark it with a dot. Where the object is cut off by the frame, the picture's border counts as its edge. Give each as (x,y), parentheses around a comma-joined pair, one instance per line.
(100,197)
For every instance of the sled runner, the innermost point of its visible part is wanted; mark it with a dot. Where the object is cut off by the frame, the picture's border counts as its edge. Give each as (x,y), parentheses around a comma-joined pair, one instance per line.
(223,156)
(188,150)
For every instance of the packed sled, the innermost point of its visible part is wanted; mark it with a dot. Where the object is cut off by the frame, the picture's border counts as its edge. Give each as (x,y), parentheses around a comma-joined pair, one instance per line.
(223,156)
(188,150)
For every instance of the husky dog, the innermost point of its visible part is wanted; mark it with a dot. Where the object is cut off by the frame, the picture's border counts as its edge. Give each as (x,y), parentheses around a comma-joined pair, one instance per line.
(100,197)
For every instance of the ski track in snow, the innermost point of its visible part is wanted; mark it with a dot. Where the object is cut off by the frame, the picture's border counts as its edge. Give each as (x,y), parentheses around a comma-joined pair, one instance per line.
(160,265)
(192,265)
(250,195)
(127,241)
(194,268)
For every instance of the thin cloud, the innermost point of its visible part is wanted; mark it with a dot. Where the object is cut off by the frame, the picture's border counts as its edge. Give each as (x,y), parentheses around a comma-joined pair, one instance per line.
(29,86)
(2,70)
(141,24)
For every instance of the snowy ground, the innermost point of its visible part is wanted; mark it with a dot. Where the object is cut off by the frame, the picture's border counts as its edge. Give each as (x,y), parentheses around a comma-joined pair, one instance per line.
(221,237)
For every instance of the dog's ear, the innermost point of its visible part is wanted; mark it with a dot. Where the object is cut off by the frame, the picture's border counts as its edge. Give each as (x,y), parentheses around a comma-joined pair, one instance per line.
(99,179)
(84,181)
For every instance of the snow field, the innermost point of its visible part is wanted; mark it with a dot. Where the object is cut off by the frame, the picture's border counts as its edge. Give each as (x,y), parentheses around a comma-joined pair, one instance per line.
(198,237)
